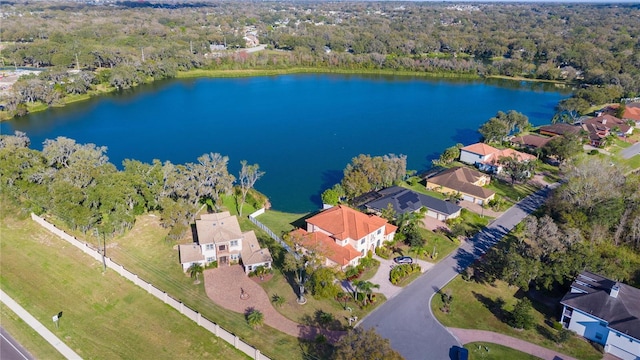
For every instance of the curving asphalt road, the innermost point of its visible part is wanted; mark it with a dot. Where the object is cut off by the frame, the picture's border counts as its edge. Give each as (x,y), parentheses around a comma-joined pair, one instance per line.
(406,320)
(10,349)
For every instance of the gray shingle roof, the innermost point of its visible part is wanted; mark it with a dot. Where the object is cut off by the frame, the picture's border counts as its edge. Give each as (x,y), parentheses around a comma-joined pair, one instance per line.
(621,312)
(405,200)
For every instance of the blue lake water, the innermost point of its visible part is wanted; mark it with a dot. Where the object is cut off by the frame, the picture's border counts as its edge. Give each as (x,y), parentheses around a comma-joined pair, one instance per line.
(301,129)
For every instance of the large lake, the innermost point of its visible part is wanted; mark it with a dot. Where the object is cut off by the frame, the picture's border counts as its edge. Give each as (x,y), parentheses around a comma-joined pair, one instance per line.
(301,129)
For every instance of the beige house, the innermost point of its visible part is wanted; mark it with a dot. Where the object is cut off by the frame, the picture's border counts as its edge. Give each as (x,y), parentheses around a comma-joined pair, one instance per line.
(468,182)
(220,239)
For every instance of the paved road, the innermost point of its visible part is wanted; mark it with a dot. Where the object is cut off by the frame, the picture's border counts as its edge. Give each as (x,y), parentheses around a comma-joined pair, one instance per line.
(406,320)
(10,349)
(630,151)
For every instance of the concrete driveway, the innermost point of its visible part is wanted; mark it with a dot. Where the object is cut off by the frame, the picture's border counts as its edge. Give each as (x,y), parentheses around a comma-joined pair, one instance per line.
(631,151)
(382,277)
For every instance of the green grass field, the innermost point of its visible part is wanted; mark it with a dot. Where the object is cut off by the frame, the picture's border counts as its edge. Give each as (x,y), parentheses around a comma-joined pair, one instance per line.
(490,351)
(104,315)
(474,307)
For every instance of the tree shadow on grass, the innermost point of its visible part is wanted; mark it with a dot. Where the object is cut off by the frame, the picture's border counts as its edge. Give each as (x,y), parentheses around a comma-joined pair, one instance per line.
(544,331)
(496,307)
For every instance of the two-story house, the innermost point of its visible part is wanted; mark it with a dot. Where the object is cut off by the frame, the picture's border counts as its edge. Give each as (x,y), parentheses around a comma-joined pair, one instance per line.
(344,235)
(487,158)
(604,311)
(220,239)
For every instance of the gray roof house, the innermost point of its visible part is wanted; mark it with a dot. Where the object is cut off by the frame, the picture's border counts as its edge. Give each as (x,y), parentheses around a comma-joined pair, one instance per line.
(405,200)
(606,312)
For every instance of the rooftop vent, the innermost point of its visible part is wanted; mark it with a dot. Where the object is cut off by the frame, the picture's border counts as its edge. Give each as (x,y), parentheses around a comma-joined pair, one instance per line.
(615,289)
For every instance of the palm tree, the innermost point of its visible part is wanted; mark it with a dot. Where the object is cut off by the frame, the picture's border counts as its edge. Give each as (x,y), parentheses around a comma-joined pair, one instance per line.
(366,287)
(194,270)
(255,318)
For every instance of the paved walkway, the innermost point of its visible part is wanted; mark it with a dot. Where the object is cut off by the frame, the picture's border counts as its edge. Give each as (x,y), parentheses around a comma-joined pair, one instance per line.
(224,286)
(38,327)
(466,336)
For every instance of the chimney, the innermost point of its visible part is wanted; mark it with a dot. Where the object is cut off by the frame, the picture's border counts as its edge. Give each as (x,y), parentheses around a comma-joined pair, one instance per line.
(604,121)
(614,291)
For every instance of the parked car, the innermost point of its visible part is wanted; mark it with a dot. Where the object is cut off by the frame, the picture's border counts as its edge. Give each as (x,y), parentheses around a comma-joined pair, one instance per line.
(403,260)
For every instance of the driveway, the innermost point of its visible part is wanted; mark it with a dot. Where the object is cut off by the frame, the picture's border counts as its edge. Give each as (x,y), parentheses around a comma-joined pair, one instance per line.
(382,277)
(631,151)
(224,286)
(406,319)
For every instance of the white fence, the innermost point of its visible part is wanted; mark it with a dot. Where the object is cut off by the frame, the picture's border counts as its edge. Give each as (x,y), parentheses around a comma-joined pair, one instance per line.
(166,298)
(252,218)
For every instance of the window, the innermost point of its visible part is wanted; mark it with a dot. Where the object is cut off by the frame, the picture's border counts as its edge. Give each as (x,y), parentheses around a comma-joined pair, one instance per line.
(234,256)
(598,336)
(234,243)
(249,268)
(362,241)
(210,259)
(379,231)
(208,247)
(222,247)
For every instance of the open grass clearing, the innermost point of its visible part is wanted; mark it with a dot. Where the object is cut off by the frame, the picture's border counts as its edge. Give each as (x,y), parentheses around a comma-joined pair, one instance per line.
(281,222)
(485,350)
(420,187)
(475,306)
(104,315)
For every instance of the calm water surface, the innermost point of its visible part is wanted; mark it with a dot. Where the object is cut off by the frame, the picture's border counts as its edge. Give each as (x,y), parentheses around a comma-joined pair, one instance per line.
(301,129)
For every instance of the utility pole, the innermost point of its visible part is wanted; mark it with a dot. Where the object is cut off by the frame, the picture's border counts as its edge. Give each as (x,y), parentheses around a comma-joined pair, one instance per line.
(191,46)
(104,253)
(77,62)
(142,50)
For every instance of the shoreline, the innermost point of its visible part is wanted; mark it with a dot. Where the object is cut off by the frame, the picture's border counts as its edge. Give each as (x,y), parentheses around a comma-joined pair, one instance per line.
(244,73)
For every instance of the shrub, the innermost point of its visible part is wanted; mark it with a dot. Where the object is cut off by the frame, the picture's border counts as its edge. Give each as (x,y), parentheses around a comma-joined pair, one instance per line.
(557,325)
(563,335)
(278,300)
(398,273)
(383,252)
(521,317)
(594,152)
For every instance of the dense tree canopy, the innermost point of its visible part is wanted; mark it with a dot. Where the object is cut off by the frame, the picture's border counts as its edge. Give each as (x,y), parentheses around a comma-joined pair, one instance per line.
(77,184)
(121,45)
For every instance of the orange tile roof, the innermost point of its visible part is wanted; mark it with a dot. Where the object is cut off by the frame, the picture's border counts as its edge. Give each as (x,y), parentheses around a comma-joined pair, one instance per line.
(632,112)
(343,222)
(511,153)
(326,246)
(480,149)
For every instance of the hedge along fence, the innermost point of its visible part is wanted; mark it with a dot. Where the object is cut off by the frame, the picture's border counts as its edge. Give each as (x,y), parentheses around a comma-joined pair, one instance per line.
(212,327)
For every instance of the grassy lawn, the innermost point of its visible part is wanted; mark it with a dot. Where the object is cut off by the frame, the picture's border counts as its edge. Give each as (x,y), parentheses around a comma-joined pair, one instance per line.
(306,314)
(105,316)
(26,336)
(483,350)
(281,223)
(511,192)
(420,187)
(474,307)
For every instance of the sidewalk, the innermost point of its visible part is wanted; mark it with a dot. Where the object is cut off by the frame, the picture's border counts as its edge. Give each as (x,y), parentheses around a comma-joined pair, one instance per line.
(466,336)
(38,327)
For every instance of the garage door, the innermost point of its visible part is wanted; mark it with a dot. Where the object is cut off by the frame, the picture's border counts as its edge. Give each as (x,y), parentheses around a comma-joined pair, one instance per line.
(468,198)
(614,350)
